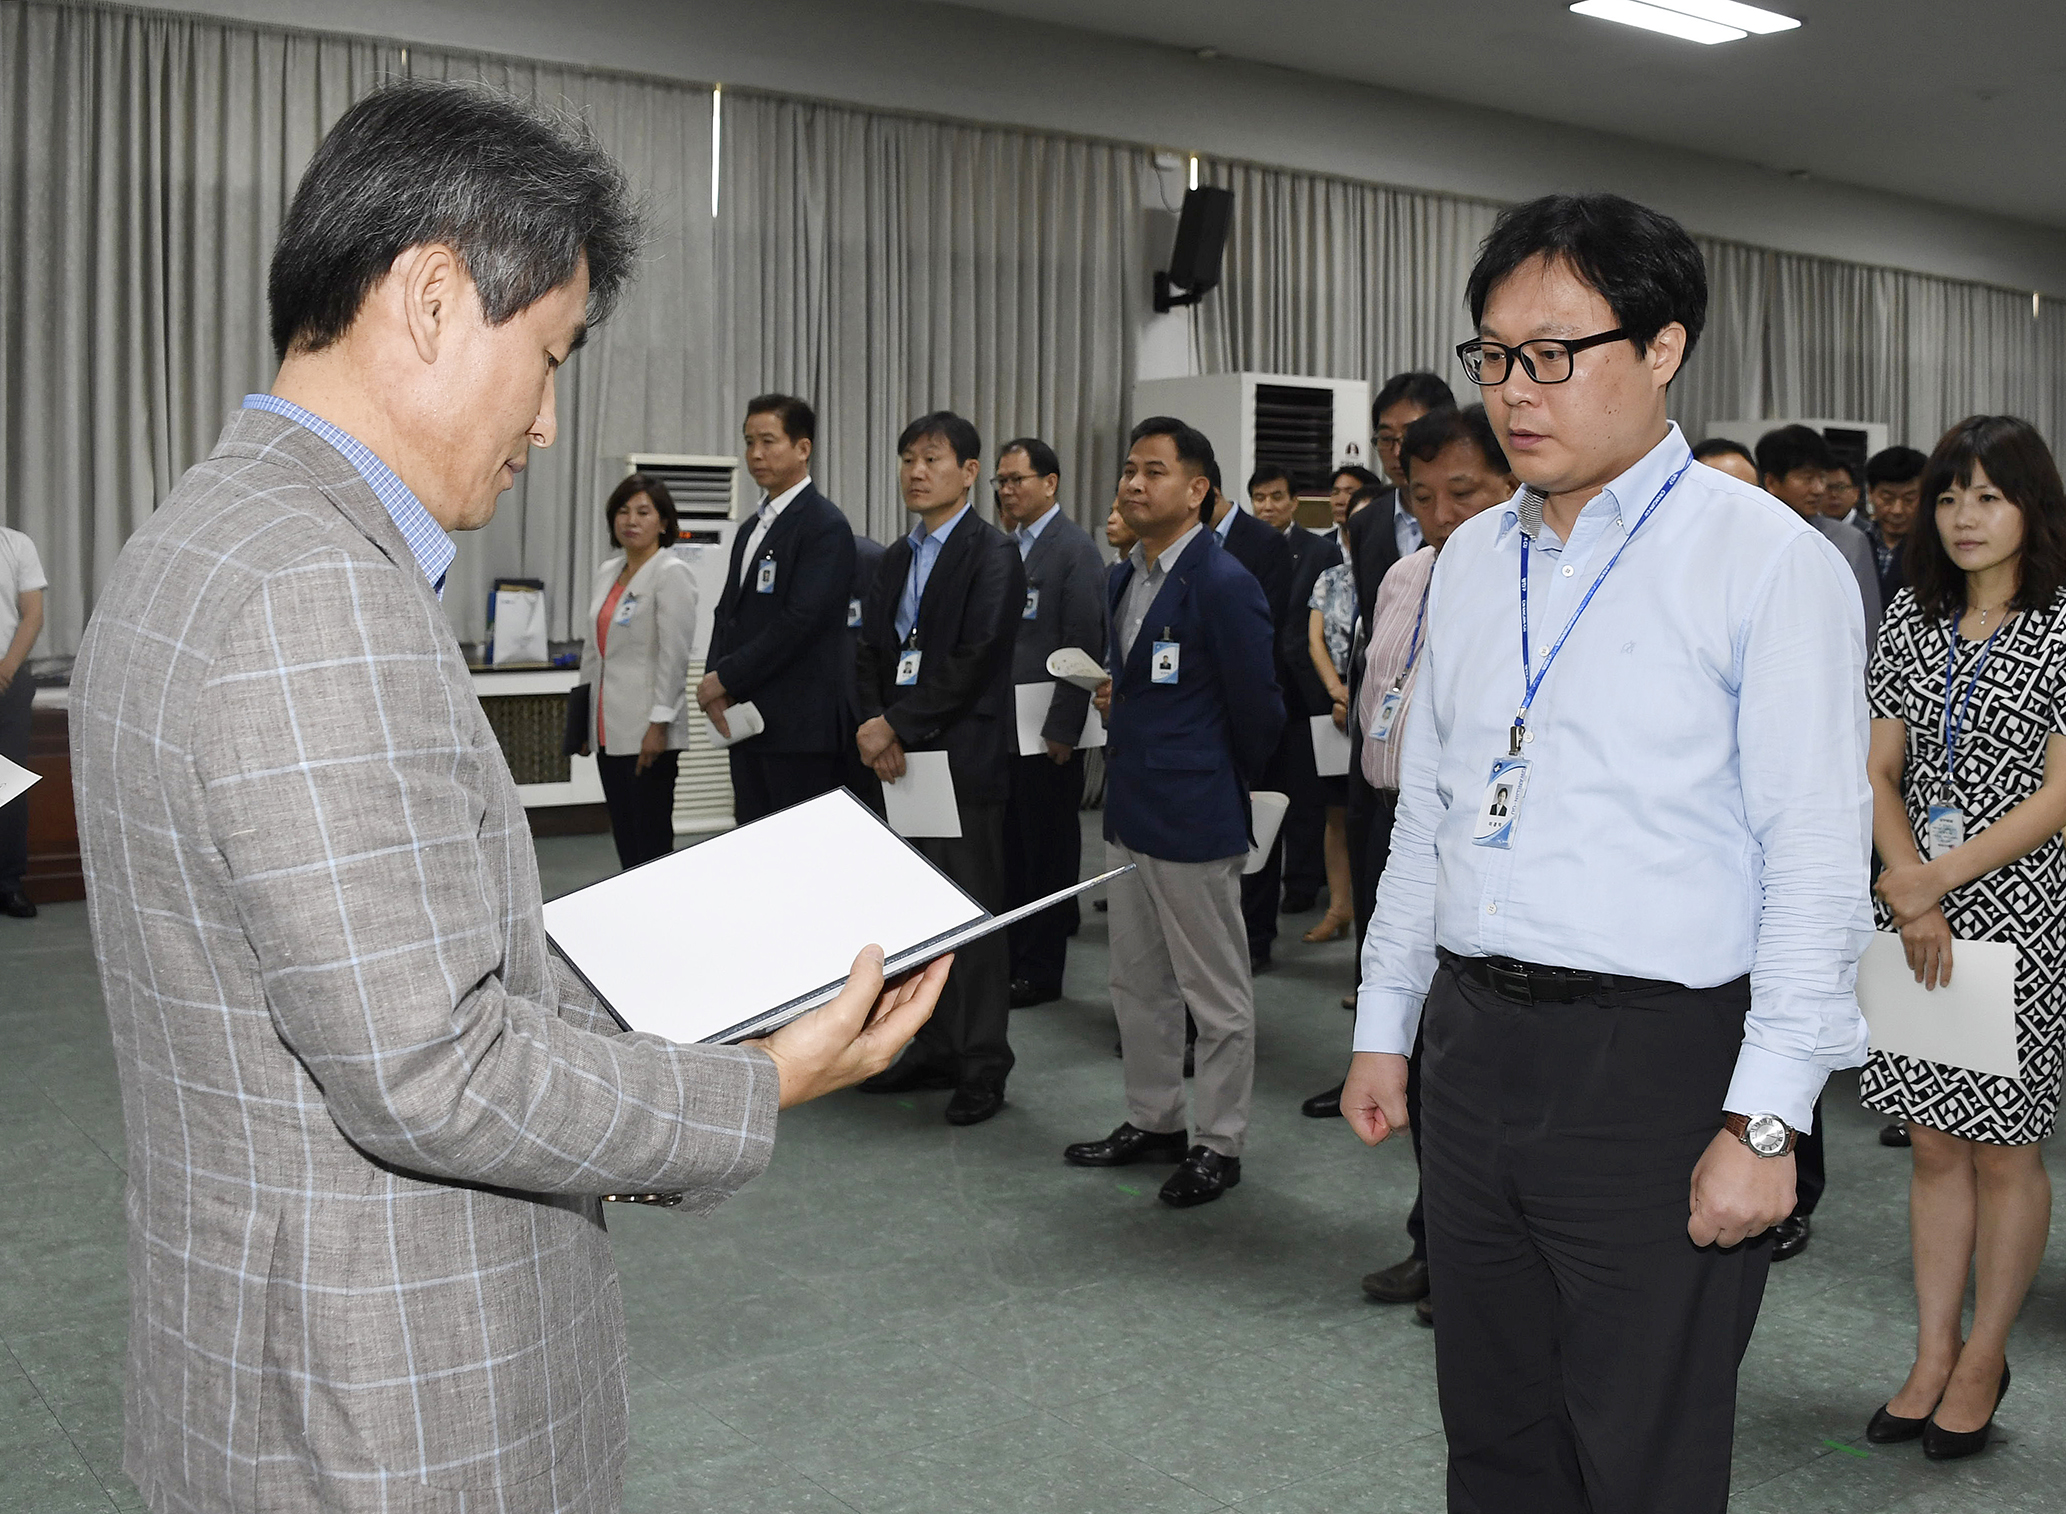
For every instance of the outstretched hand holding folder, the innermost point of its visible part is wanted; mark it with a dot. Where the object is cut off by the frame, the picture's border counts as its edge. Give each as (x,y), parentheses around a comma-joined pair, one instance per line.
(730,940)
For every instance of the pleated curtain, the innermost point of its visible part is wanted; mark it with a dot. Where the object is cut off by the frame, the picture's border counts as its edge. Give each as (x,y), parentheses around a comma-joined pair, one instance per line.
(882,265)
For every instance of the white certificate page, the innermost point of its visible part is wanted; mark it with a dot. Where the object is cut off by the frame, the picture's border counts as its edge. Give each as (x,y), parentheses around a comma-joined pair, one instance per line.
(1969,1022)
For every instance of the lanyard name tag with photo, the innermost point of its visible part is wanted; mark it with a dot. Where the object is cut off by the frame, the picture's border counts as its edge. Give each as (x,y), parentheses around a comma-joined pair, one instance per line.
(1946,829)
(1501,806)
(1032,610)
(764,580)
(625,607)
(1387,714)
(853,613)
(1162,666)
(907,668)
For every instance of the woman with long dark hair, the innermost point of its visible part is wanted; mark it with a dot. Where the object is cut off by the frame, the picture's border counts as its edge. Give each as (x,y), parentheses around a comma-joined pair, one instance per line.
(1968,769)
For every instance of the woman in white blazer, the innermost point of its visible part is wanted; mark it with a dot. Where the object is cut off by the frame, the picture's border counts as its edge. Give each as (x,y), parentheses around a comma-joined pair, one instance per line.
(641,631)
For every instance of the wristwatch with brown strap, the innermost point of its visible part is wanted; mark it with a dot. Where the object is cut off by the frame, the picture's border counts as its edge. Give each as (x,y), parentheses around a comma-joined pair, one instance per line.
(1765,1134)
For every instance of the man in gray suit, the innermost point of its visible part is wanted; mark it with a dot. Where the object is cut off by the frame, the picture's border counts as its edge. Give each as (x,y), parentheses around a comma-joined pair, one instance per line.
(1065,607)
(1793,465)
(369,1118)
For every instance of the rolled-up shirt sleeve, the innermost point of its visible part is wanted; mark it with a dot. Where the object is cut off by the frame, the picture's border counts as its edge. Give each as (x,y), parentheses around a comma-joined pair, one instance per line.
(1399,950)
(1802,735)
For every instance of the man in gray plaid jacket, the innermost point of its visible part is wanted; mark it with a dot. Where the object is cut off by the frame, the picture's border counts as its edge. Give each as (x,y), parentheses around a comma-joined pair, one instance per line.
(369,1118)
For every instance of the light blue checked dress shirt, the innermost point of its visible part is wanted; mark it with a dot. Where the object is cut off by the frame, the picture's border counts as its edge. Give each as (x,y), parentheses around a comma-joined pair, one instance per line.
(925,551)
(427,540)
(1697,807)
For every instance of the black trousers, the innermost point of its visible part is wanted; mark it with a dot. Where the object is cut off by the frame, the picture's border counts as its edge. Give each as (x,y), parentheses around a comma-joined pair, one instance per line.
(1370,816)
(763,782)
(1043,851)
(641,805)
(1305,823)
(967,1033)
(14,746)
(1810,1176)
(1585,1350)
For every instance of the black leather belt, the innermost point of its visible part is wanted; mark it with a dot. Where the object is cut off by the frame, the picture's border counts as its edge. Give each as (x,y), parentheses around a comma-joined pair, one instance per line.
(1532,983)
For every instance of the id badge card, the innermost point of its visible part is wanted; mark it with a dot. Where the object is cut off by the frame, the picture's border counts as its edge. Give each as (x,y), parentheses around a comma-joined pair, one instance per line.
(853,613)
(764,578)
(907,669)
(1162,666)
(1032,610)
(1946,829)
(1501,806)
(625,608)
(1387,713)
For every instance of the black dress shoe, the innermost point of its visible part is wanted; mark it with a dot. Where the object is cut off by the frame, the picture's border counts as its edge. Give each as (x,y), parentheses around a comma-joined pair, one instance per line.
(1025,994)
(1940,1444)
(974,1103)
(1401,1283)
(1100,905)
(907,1076)
(1323,1106)
(1895,1134)
(1790,1237)
(1885,1429)
(1202,1177)
(1424,1311)
(1298,904)
(1125,1146)
(18,904)
(1257,966)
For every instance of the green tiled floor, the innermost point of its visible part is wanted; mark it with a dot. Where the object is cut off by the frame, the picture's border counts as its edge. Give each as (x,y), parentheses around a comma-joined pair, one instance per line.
(901,1316)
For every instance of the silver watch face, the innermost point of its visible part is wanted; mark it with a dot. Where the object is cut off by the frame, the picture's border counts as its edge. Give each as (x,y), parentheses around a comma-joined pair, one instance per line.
(1765,1134)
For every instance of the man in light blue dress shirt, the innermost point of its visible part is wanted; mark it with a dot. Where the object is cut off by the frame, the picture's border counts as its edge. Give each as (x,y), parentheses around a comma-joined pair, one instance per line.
(1628,880)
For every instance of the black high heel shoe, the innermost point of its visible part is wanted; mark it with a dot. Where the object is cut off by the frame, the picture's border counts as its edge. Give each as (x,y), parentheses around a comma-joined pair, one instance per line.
(1888,1429)
(1940,1444)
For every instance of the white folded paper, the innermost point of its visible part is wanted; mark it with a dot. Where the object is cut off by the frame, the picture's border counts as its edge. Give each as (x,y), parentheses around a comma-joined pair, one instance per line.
(1330,748)
(1034,700)
(742,933)
(742,720)
(1267,809)
(922,803)
(1074,665)
(16,779)
(1969,1022)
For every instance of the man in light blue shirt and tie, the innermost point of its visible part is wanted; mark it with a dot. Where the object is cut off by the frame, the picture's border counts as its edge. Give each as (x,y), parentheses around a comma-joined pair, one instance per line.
(1628,881)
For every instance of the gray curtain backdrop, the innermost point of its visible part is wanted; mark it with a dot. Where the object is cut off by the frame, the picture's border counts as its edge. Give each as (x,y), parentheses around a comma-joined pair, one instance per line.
(881,265)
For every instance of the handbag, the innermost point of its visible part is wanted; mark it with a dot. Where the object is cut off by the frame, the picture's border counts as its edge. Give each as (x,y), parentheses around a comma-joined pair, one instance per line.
(576,735)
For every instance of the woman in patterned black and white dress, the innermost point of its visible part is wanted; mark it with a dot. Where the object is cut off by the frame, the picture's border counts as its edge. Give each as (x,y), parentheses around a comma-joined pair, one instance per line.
(1974,781)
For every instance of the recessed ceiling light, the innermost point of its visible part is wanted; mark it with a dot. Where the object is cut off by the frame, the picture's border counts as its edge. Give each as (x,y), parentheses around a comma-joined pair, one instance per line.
(1706,21)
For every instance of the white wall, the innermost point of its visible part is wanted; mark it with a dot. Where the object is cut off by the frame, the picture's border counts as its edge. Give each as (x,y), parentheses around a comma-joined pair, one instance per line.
(944,60)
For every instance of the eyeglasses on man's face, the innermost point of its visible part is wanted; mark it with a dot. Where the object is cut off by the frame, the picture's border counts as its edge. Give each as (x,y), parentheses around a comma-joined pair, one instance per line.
(1546,360)
(1011,480)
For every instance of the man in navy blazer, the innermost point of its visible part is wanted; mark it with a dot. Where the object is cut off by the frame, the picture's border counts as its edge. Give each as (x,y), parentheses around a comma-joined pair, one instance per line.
(933,674)
(777,639)
(1193,713)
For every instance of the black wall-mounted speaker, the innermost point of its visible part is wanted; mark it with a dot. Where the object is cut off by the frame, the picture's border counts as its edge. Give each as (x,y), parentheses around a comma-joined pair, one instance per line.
(1201,242)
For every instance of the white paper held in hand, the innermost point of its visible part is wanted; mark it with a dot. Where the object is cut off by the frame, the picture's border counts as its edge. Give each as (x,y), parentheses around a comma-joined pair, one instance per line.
(1034,701)
(1330,748)
(1074,665)
(922,803)
(742,723)
(740,934)
(15,780)
(1266,810)
(1969,1022)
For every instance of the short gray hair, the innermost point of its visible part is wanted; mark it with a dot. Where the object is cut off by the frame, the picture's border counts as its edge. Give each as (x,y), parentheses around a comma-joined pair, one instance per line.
(519,192)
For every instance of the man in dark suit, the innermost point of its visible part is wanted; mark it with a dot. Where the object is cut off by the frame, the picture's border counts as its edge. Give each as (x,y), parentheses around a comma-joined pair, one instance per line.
(775,639)
(1291,772)
(934,674)
(860,778)
(1194,713)
(1065,607)
(1386,531)
(1264,554)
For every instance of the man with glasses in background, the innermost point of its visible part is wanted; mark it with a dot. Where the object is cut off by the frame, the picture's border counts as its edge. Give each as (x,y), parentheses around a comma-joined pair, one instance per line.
(1628,883)
(1065,607)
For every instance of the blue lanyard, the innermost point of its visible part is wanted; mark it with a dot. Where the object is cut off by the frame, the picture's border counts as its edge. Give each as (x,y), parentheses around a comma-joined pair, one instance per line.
(1413,652)
(1951,732)
(1533,680)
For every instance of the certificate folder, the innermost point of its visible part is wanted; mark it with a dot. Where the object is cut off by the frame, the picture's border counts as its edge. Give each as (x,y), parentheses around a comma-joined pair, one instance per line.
(737,936)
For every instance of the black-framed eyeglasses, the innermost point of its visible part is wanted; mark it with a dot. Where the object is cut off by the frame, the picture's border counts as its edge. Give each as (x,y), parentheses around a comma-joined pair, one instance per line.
(1011,480)
(1546,359)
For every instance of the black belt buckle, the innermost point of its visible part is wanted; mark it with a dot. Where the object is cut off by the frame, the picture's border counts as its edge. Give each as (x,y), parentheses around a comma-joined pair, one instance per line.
(1510,981)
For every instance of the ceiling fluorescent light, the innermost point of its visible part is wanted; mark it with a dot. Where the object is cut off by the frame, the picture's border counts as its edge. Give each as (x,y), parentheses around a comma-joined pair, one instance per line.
(1729,13)
(1656,19)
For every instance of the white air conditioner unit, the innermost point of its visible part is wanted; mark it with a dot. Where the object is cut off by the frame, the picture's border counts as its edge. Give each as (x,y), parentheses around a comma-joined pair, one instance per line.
(706,492)
(1852,441)
(1307,426)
